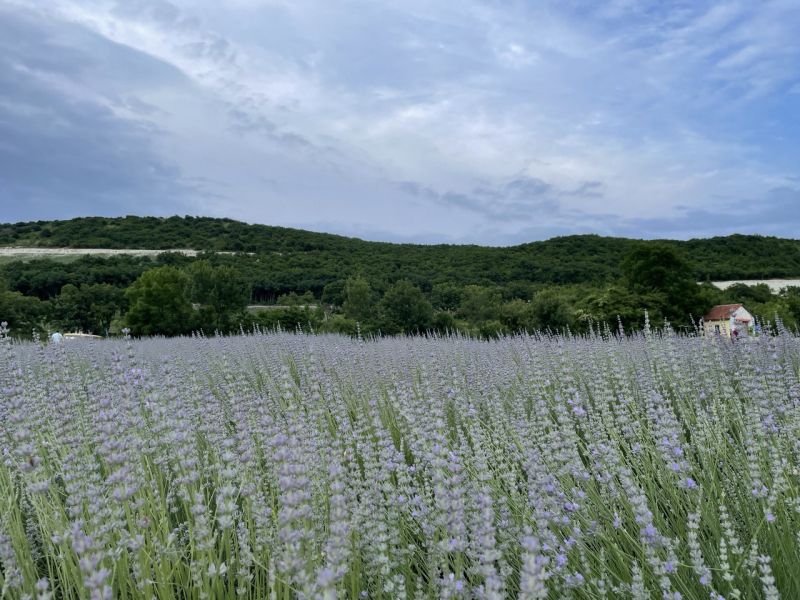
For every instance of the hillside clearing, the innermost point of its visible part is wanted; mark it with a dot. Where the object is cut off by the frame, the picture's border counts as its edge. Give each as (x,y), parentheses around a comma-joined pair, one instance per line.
(23,253)
(775,285)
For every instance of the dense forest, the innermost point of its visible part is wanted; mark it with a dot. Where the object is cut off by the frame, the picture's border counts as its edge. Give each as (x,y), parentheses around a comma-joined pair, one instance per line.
(591,257)
(335,283)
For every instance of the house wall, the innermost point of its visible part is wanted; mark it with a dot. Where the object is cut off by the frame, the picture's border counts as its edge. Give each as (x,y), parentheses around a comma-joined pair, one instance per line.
(724,327)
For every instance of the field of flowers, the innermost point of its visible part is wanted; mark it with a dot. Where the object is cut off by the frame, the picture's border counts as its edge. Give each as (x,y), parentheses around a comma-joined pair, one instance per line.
(298,466)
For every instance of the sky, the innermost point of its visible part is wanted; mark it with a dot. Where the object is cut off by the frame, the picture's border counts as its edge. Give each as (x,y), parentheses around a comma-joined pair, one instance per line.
(478,121)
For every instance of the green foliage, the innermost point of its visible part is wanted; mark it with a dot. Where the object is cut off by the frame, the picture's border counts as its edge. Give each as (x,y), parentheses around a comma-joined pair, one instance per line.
(522,290)
(612,303)
(160,303)
(550,311)
(333,293)
(447,296)
(758,293)
(44,278)
(286,260)
(359,300)
(791,298)
(479,303)
(291,318)
(89,308)
(491,328)
(220,293)
(662,274)
(570,281)
(656,268)
(22,313)
(340,324)
(295,299)
(517,315)
(406,309)
(444,321)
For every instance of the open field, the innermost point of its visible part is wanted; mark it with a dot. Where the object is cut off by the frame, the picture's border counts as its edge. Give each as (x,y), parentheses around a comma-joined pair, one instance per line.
(289,466)
(775,285)
(68,254)
(8,254)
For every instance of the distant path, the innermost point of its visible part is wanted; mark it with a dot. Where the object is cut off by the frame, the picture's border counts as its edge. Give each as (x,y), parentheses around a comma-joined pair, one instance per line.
(775,285)
(21,253)
(45,252)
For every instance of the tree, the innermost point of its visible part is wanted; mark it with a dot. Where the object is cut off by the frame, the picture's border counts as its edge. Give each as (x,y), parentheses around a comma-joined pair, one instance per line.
(492,328)
(159,303)
(22,313)
(516,315)
(614,303)
(656,267)
(295,299)
(89,308)
(339,324)
(290,318)
(759,293)
(67,310)
(104,303)
(524,290)
(220,292)
(333,293)
(791,296)
(550,311)
(444,322)
(479,303)
(359,300)
(406,309)
(659,268)
(447,296)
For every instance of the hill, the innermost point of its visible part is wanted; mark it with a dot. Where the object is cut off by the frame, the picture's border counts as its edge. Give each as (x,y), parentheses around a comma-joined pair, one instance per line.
(339,284)
(320,258)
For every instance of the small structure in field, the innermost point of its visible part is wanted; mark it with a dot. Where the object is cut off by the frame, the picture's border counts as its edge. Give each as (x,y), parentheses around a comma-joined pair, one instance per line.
(729,320)
(81,336)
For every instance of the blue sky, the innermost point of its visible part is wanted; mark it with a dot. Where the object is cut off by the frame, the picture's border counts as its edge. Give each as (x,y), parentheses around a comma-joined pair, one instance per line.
(484,121)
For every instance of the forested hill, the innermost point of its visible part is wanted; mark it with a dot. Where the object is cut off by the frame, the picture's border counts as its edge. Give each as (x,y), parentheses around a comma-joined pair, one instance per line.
(320,256)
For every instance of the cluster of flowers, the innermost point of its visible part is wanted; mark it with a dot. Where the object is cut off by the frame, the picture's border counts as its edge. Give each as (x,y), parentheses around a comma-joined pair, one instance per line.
(294,466)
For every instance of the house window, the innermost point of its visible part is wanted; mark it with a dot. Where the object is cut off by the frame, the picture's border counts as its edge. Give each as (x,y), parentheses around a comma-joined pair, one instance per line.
(716,328)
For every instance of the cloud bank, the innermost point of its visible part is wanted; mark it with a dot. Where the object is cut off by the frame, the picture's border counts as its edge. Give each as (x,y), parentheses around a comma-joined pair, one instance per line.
(427,121)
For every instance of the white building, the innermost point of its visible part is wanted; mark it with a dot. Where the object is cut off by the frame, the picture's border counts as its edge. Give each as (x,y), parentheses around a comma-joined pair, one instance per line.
(725,319)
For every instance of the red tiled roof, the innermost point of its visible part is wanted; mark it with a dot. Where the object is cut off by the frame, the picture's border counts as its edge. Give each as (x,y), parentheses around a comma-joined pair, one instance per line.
(722,312)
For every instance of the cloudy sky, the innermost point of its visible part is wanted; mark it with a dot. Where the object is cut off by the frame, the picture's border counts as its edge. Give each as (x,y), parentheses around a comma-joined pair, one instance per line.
(486,121)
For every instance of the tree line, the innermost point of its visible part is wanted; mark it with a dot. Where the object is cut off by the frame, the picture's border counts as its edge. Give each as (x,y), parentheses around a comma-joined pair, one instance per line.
(175,294)
(279,260)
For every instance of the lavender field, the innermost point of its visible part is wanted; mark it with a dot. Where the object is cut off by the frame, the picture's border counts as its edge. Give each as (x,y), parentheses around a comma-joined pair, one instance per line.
(291,466)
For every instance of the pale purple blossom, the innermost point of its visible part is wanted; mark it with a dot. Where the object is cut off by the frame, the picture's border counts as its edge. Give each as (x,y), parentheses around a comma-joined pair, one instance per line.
(446,467)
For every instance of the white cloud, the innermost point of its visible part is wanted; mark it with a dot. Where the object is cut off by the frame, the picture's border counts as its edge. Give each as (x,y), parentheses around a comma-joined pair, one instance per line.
(307,112)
